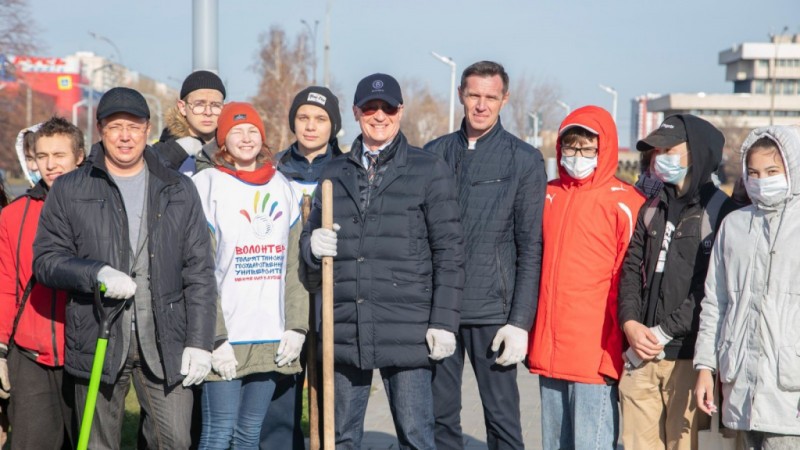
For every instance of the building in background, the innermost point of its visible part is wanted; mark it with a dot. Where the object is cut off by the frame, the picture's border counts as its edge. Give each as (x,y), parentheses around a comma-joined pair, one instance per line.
(766,88)
(643,121)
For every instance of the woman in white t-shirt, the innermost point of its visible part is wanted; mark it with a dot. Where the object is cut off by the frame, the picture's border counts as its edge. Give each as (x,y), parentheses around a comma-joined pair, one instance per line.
(262,313)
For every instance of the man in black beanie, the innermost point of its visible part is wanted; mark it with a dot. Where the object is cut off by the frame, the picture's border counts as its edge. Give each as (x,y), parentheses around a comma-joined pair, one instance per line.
(315,120)
(192,122)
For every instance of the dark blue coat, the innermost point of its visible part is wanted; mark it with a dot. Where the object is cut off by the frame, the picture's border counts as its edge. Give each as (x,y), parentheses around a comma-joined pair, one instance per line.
(399,264)
(501,189)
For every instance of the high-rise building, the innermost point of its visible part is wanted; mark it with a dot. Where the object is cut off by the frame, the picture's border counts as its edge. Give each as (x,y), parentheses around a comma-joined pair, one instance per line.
(766,88)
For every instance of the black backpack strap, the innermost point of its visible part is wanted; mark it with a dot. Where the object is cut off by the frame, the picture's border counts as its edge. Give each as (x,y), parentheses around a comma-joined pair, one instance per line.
(25,295)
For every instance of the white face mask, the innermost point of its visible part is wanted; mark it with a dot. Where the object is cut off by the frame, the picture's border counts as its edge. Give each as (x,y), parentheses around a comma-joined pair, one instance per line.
(767,191)
(668,169)
(578,167)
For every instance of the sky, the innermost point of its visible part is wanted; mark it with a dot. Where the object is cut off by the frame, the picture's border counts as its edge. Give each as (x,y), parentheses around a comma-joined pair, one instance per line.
(634,46)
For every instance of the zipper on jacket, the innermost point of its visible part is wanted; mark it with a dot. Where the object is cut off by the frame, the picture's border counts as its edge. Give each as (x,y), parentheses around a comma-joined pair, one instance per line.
(557,268)
(497,180)
(53,326)
(503,281)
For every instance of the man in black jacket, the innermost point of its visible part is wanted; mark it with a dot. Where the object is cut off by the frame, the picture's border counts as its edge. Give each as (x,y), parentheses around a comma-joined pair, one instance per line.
(315,119)
(398,268)
(501,189)
(662,284)
(127,222)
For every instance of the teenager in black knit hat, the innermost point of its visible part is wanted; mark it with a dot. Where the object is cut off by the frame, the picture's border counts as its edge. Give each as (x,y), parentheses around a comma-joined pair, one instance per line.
(315,120)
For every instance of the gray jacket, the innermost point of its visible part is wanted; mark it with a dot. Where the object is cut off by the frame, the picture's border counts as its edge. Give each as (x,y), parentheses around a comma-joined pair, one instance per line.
(749,324)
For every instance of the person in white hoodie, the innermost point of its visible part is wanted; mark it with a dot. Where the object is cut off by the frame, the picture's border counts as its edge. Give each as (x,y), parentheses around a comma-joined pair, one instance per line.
(749,334)
(24,148)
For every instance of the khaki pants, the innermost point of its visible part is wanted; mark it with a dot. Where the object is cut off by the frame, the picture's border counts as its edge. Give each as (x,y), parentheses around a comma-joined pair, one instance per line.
(658,407)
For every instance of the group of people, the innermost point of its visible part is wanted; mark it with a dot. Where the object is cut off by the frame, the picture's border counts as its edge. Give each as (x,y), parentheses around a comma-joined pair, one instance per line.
(629,304)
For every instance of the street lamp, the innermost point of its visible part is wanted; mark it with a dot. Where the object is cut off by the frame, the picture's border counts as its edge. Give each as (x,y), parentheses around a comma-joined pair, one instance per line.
(312,32)
(564,105)
(534,115)
(452,64)
(100,37)
(613,93)
(774,73)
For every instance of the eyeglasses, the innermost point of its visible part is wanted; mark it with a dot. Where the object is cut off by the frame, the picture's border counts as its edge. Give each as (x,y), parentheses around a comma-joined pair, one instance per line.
(586,152)
(372,108)
(116,130)
(200,107)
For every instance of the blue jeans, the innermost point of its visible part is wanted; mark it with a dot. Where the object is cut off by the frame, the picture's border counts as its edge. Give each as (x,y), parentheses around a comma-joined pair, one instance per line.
(234,411)
(578,416)
(410,399)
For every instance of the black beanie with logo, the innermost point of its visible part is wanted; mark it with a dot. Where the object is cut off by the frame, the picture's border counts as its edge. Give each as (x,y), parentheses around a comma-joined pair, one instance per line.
(323,98)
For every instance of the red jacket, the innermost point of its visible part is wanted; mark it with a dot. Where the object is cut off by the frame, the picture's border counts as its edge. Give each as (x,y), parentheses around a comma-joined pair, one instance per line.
(586,227)
(41,328)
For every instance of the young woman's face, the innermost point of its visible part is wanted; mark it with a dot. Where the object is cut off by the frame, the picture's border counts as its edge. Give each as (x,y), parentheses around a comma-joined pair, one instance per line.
(244,143)
(764,162)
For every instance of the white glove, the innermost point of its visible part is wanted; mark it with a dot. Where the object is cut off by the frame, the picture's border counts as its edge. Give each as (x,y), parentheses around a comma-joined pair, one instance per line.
(118,285)
(323,241)
(223,361)
(290,347)
(663,339)
(5,385)
(195,365)
(191,145)
(516,345)
(442,343)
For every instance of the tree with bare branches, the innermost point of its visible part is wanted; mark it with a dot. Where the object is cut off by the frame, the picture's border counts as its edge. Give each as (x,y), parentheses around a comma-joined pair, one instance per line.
(529,94)
(424,113)
(284,66)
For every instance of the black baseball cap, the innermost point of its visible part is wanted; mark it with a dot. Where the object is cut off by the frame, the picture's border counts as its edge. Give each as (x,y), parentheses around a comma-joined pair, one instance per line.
(670,133)
(122,100)
(378,86)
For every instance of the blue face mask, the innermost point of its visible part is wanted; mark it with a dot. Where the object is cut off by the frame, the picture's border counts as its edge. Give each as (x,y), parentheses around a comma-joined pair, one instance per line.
(35,176)
(668,169)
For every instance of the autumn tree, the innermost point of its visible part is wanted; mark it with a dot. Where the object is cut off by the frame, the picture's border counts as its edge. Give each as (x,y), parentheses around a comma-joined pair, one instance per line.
(526,95)
(425,114)
(284,67)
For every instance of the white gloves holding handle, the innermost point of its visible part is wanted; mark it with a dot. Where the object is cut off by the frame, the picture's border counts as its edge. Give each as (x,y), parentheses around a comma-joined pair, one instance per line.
(118,284)
(323,241)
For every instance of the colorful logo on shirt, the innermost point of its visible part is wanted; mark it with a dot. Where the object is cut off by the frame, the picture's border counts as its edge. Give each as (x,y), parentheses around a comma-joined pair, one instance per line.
(262,221)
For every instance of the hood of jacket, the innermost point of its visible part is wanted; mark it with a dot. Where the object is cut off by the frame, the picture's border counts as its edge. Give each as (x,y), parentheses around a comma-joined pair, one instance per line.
(788,140)
(599,121)
(177,126)
(19,146)
(705,144)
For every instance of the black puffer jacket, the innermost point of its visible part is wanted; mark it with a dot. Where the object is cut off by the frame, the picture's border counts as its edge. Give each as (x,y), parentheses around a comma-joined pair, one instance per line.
(682,283)
(84,227)
(399,264)
(501,189)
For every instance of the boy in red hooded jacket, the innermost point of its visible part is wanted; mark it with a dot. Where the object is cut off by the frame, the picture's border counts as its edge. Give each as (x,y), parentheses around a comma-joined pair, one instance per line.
(32,315)
(576,343)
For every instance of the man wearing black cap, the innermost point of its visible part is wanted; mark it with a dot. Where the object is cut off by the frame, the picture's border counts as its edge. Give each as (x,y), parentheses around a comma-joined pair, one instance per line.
(315,120)
(192,122)
(124,221)
(662,283)
(398,268)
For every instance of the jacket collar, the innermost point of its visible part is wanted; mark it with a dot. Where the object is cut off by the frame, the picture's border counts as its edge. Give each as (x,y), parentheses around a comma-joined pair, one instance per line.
(38,191)
(392,152)
(483,140)
(97,159)
(293,154)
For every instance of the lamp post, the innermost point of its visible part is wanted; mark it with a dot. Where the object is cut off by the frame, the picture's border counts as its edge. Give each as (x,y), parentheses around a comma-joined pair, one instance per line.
(108,41)
(534,115)
(312,32)
(326,70)
(565,106)
(613,93)
(774,73)
(452,64)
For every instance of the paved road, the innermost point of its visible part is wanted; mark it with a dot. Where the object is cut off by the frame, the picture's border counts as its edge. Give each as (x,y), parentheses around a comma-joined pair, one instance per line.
(379,430)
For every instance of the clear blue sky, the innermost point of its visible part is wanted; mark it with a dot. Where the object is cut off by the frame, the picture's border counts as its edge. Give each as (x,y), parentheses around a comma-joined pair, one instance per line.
(636,46)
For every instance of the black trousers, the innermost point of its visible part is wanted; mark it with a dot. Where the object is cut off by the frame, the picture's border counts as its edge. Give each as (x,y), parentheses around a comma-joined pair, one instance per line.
(41,404)
(497,386)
